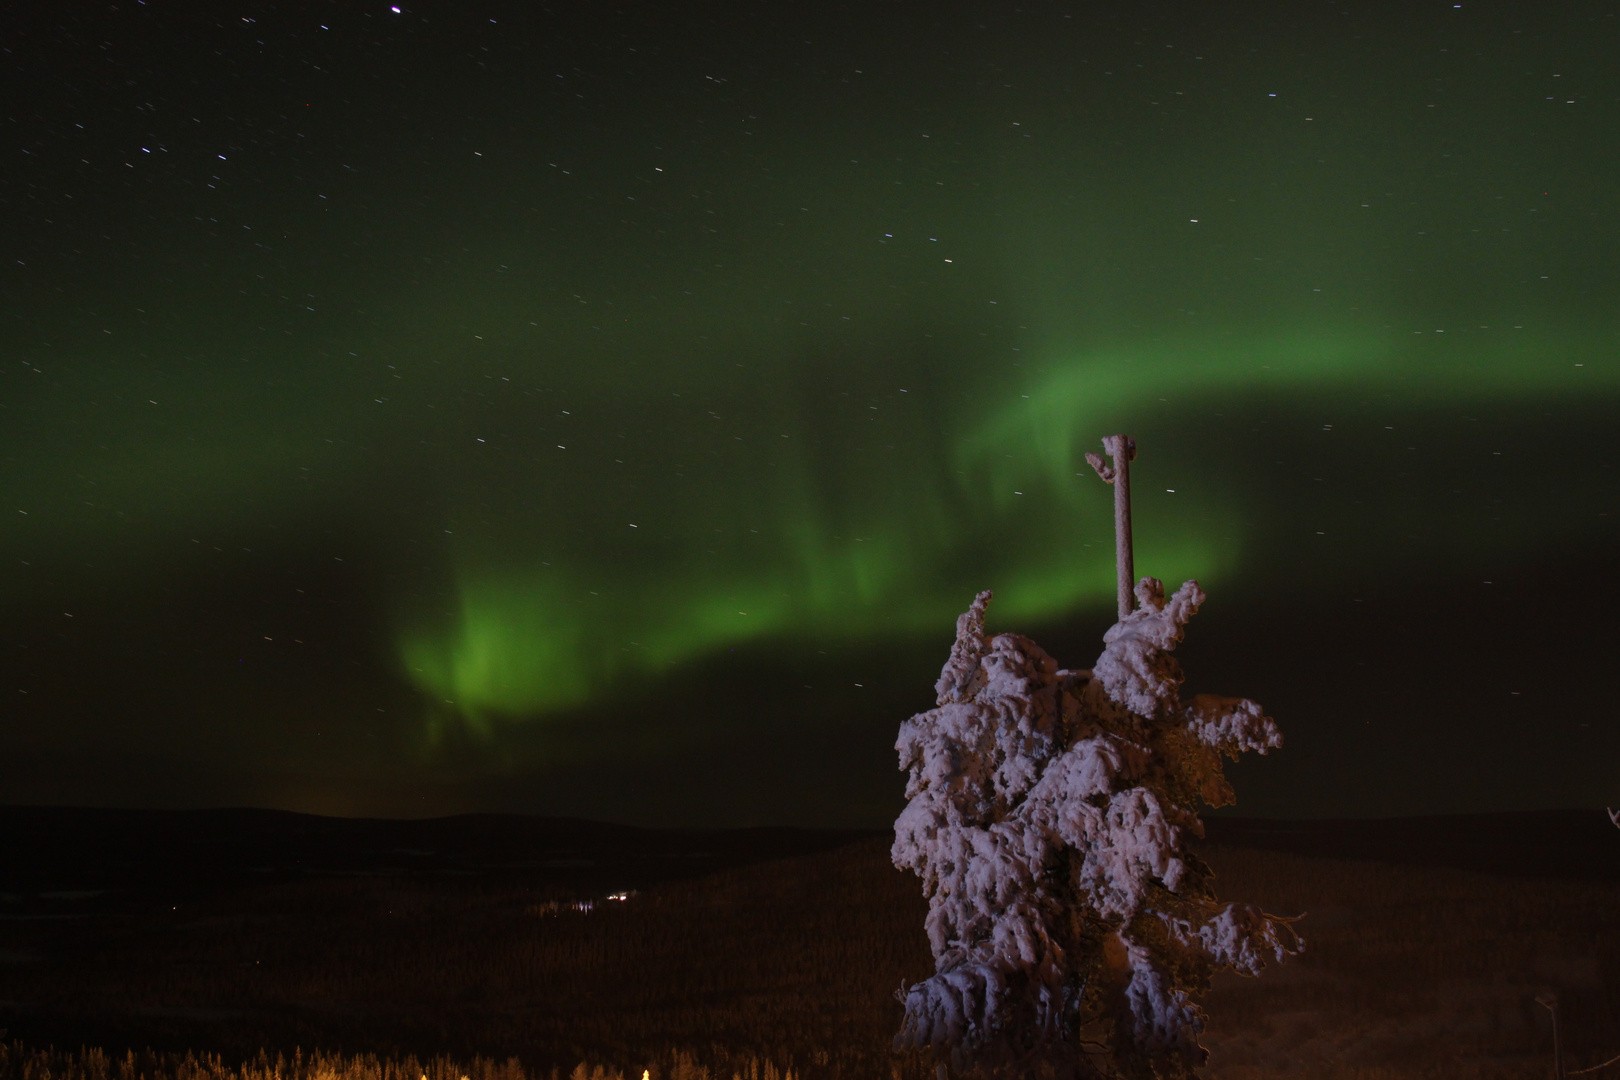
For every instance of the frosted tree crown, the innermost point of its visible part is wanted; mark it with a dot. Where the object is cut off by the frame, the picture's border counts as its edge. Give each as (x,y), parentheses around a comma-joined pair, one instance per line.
(1048,816)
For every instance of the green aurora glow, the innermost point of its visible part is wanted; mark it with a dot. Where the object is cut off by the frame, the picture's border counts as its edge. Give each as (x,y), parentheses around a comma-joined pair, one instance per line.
(605,362)
(878,561)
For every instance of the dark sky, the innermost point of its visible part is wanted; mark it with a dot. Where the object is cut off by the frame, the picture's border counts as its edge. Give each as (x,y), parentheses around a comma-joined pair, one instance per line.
(605,409)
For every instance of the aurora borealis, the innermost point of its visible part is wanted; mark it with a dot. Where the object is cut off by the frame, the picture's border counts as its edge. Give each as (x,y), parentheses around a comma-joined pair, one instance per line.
(606,410)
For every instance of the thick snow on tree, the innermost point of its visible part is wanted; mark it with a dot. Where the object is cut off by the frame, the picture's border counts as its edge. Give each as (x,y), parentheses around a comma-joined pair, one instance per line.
(1048,817)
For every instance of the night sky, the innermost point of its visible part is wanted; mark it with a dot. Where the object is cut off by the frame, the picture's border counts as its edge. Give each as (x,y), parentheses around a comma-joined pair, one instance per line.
(605,409)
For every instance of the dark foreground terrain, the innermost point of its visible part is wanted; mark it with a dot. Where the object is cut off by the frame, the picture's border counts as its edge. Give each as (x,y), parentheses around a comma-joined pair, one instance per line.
(235,932)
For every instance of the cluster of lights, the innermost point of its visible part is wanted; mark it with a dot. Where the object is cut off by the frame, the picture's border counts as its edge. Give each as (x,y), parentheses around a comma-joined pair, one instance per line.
(555,907)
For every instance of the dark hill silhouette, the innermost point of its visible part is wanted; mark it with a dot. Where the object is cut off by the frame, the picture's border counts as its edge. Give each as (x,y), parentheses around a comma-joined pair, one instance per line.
(1576,844)
(160,855)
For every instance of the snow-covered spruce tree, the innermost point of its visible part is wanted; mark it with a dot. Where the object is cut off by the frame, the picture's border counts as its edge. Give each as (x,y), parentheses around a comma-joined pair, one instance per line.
(1073,932)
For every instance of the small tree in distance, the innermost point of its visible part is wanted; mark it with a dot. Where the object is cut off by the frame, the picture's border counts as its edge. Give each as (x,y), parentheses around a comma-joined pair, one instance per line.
(1049,811)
